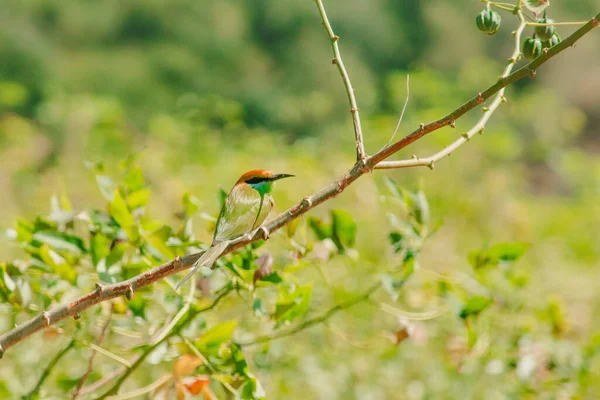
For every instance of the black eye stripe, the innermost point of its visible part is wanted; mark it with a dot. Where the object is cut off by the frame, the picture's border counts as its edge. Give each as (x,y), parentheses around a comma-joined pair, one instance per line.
(256,180)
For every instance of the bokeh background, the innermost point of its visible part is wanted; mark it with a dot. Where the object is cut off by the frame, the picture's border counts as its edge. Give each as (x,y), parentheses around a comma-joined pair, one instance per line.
(200,91)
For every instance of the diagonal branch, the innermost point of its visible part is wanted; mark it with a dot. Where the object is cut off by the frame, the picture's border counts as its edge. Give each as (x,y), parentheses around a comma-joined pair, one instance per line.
(127,288)
(527,70)
(478,127)
(316,320)
(337,60)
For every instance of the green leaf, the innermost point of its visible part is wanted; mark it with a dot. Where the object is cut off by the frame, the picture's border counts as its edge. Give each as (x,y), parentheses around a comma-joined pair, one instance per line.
(212,338)
(106,186)
(137,305)
(58,264)
(474,306)
(344,229)
(321,229)
(24,230)
(121,214)
(191,204)
(508,251)
(258,309)
(292,304)
(99,247)
(134,180)
(61,241)
(501,252)
(421,208)
(158,239)
(138,199)
(272,277)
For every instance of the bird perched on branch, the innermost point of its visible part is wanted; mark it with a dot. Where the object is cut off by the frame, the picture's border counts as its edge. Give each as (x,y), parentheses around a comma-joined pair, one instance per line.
(245,209)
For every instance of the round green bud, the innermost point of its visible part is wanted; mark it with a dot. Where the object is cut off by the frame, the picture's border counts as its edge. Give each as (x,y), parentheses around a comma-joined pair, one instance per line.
(488,21)
(554,40)
(545,32)
(532,48)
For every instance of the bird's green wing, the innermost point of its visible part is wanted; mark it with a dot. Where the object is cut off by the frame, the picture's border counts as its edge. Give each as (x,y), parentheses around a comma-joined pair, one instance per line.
(239,213)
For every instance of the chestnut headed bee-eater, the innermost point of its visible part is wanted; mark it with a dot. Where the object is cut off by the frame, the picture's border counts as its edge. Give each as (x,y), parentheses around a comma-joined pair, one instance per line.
(245,209)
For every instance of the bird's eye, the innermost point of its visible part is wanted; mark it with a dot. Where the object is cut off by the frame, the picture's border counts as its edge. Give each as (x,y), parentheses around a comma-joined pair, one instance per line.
(255,180)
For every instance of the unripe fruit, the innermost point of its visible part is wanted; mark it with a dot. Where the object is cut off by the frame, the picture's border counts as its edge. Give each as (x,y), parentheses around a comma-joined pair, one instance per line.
(545,32)
(532,48)
(488,21)
(554,40)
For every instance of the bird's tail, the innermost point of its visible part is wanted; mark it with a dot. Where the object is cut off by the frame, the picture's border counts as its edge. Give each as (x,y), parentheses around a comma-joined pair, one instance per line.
(206,260)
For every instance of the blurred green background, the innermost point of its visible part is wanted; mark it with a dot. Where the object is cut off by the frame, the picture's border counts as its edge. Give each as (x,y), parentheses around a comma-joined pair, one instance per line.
(201,91)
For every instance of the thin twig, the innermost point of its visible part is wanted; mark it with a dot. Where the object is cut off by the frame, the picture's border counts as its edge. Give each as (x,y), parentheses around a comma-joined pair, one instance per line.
(192,313)
(337,60)
(46,373)
(402,113)
(479,126)
(128,287)
(316,320)
(146,389)
(99,340)
(167,328)
(528,70)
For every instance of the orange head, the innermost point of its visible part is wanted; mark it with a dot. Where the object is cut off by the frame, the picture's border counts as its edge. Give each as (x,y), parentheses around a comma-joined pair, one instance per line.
(260,175)
(260,179)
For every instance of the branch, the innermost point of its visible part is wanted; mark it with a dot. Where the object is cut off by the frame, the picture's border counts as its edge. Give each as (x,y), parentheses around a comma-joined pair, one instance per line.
(316,320)
(46,373)
(91,360)
(192,313)
(337,60)
(479,126)
(127,288)
(527,70)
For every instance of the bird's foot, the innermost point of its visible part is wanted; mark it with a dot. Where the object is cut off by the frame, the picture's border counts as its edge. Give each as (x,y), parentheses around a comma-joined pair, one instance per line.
(264,232)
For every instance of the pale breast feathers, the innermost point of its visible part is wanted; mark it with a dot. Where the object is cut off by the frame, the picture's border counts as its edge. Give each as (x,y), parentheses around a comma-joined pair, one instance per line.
(239,215)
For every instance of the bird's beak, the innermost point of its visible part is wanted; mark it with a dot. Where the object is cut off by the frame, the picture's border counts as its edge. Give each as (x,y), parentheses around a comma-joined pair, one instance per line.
(276,177)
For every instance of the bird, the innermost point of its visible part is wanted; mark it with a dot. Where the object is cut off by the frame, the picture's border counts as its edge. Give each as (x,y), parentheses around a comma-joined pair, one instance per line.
(246,207)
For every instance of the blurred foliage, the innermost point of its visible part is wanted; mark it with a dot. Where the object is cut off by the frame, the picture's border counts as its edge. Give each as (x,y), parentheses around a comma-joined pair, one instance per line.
(135,118)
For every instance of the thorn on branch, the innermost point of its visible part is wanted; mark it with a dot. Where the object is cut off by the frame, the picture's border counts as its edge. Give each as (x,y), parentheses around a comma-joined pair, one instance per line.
(77,316)
(335,38)
(594,22)
(1,352)
(431,165)
(334,61)
(453,124)
(532,73)
(480,98)
(306,202)
(46,318)
(466,136)
(130,293)
(414,157)
(481,130)
(354,110)
(422,125)
(264,232)
(504,99)
(99,287)
(485,109)
(177,262)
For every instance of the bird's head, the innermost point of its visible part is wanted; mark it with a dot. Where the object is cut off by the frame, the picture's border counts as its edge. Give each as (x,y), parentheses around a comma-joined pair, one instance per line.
(261,180)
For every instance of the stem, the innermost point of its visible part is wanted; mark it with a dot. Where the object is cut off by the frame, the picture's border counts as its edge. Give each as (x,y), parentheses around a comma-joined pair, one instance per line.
(317,320)
(47,371)
(337,60)
(189,318)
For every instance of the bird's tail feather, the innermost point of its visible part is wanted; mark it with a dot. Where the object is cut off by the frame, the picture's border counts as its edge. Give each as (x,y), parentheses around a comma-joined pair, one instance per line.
(207,259)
